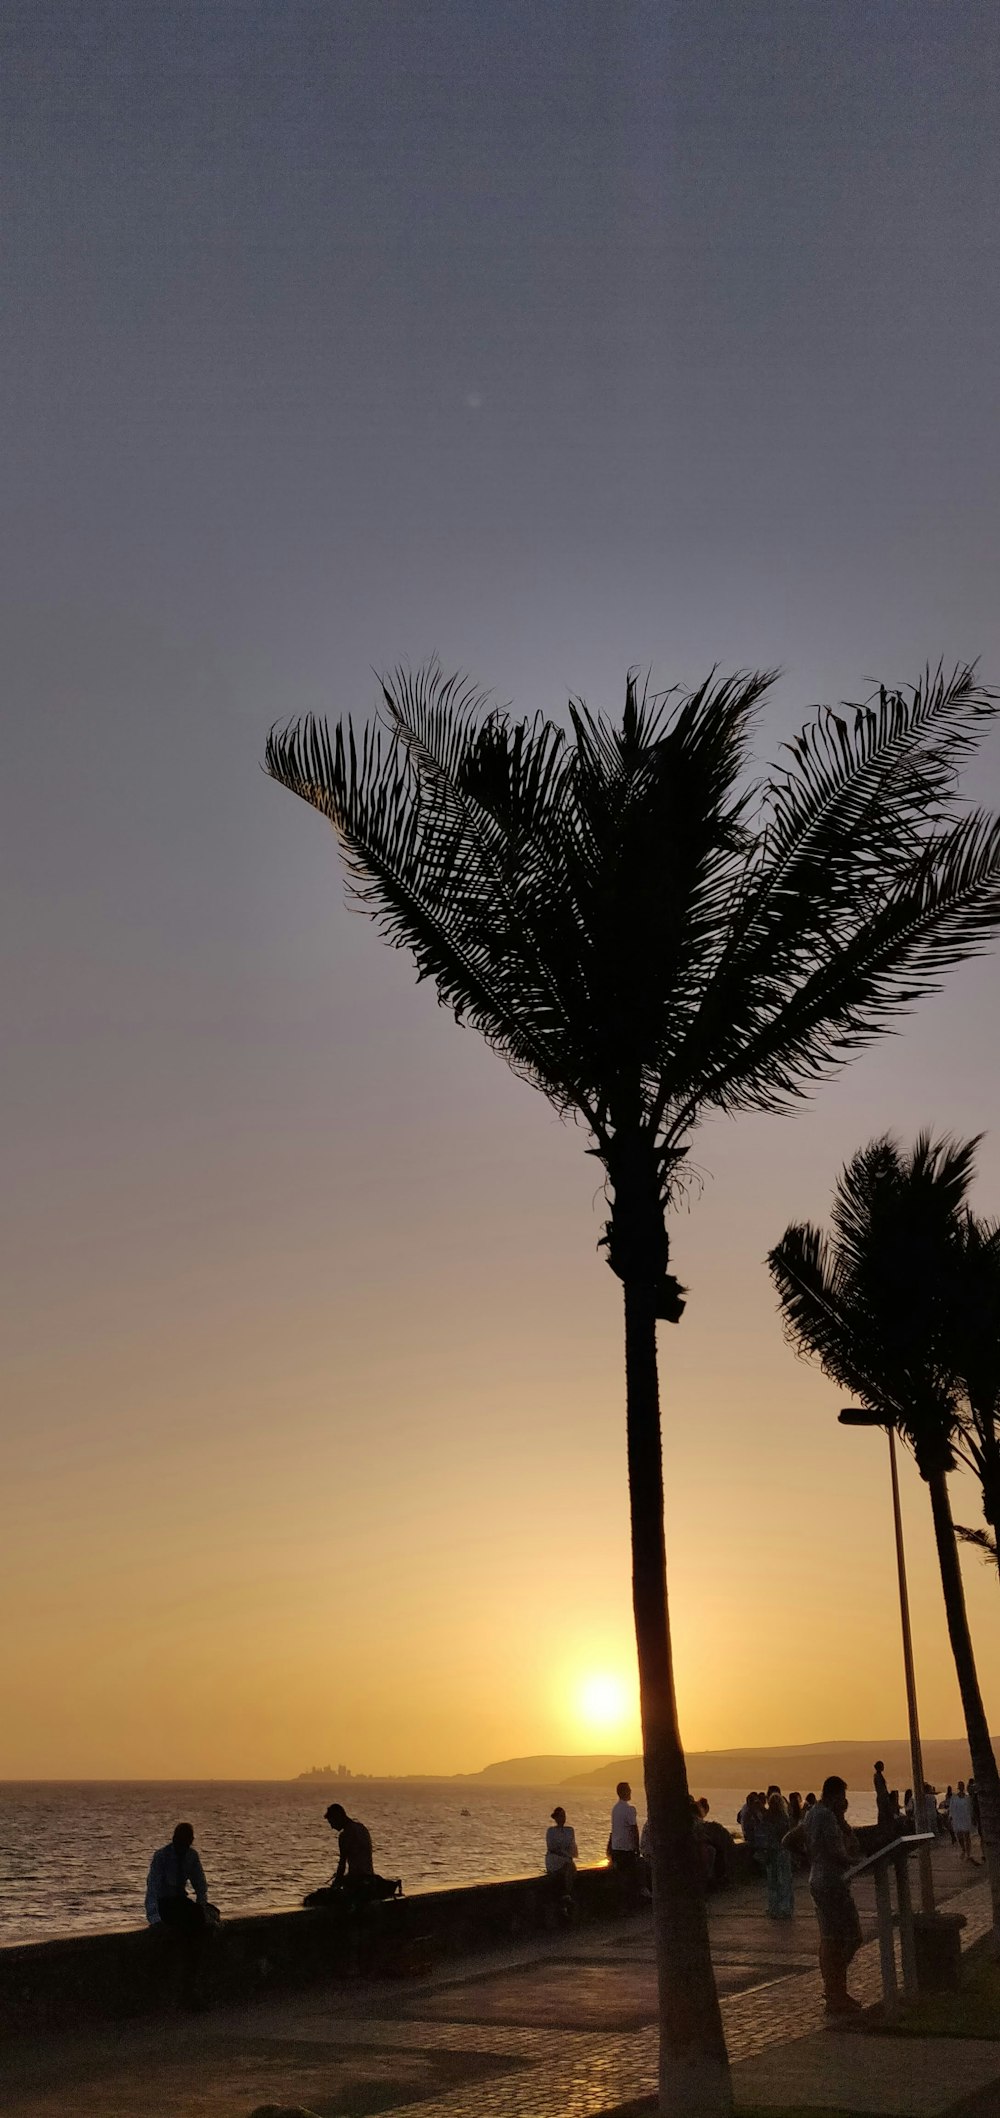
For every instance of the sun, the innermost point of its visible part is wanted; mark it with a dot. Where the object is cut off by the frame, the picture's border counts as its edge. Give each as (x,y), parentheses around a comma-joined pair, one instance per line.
(606,1705)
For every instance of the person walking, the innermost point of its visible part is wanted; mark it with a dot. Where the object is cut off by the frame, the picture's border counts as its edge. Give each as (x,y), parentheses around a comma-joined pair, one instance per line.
(832,1848)
(560,1861)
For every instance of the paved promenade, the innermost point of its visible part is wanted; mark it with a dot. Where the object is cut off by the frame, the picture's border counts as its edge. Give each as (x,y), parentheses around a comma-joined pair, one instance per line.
(563,2028)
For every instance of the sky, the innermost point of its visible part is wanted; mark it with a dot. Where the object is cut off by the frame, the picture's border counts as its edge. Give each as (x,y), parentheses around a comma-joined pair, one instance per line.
(551,339)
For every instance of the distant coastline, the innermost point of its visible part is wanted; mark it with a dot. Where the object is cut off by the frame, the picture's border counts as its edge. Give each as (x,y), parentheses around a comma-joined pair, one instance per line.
(945,1758)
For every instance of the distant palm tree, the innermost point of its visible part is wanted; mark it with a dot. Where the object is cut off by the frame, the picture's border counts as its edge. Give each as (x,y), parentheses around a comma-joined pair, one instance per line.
(646,937)
(977,1296)
(877,1304)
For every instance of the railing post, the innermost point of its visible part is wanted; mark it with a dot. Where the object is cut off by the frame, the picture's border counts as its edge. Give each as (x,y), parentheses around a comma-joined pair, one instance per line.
(886,1946)
(907,1943)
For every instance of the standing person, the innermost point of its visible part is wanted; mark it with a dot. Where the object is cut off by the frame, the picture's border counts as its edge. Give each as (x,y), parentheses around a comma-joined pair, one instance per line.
(742,1813)
(777,1861)
(560,1861)
(832,1848)
(944,1812)
(796,1812)
(623,1841)
(754,1828)
(960,1819)
(883,1806)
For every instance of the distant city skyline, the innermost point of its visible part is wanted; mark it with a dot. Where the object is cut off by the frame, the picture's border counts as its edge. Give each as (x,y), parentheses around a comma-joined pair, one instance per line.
(556,342)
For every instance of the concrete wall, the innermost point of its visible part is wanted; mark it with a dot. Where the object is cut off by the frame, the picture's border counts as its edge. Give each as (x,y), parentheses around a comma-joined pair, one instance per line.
(97,1979)
(92,1979)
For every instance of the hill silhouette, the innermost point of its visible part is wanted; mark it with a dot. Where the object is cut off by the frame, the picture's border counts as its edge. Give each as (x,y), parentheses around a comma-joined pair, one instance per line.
(801,1765)
(539,1771)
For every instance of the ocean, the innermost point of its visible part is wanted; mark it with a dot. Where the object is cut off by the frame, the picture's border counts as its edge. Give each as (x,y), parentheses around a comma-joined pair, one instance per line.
(74,1856)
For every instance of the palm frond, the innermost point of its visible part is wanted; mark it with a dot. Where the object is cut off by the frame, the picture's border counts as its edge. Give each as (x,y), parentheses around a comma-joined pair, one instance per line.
(871,1302)
(415,864)
(639,930)
(983,1541)
(805,1012)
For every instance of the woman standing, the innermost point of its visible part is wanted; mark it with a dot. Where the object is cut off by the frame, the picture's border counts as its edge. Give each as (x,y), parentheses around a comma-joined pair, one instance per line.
(560,1861)
(777,1861)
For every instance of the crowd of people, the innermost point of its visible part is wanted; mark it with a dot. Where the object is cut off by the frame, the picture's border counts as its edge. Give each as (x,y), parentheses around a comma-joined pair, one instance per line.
(629,1848)
(782,1833)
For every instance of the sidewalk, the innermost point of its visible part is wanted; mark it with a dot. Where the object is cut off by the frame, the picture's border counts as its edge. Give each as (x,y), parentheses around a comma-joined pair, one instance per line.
(557,2029)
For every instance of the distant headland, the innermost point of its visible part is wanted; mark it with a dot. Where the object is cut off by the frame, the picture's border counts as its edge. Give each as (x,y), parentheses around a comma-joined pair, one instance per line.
(806,1762)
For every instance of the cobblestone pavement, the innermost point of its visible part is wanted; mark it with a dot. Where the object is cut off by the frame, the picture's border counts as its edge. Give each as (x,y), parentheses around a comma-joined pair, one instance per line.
(541,2030)
(595,2073)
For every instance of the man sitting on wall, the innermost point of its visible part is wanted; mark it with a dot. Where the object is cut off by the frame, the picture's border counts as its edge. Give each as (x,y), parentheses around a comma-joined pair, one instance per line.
(354,1883)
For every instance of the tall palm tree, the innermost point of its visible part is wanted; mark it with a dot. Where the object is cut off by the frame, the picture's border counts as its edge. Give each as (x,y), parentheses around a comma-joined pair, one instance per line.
(647,936)
(875,1303)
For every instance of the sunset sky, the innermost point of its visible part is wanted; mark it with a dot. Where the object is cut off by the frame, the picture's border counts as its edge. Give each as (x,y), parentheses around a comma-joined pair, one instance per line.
(553,338)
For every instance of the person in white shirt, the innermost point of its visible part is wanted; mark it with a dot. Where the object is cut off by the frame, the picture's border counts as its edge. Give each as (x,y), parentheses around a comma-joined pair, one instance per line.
(560,1859)
(960,1819)
(623,1841)
(169,1909)
(171,1869)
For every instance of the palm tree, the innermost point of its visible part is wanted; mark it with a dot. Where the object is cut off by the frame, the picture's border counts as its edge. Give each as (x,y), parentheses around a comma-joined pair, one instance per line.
(875,1304)
(647,937)
(977,1298)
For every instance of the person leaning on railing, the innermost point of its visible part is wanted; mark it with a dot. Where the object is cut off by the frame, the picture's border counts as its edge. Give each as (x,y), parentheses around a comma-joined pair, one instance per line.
(832,1848)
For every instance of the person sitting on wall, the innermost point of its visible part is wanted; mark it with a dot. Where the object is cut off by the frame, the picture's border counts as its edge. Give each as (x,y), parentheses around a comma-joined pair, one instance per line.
(722,1843)
(170,1910)
(354,1882)
(171,1869)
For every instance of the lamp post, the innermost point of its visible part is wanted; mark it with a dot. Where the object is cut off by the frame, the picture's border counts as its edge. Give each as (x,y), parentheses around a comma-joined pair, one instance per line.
(858,1416)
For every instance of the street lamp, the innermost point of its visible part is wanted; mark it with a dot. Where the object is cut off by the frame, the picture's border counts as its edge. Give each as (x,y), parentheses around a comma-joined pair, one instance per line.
(858,1416)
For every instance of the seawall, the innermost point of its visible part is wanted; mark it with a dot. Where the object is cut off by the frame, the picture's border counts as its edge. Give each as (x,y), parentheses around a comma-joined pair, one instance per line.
(92,1980)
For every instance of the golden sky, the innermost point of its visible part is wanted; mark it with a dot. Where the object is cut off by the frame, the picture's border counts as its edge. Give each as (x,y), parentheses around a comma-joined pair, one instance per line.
(318,1450)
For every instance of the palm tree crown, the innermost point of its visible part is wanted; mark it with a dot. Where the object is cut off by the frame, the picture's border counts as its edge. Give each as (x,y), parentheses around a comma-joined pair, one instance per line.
(874,1302)
(639,931)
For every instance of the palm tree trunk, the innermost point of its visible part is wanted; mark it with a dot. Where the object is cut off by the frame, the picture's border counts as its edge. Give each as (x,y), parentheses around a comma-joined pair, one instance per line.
(984,1764)
(694,2067)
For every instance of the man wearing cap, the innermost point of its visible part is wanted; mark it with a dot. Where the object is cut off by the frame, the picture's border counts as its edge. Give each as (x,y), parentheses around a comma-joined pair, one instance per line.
(560,1857)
